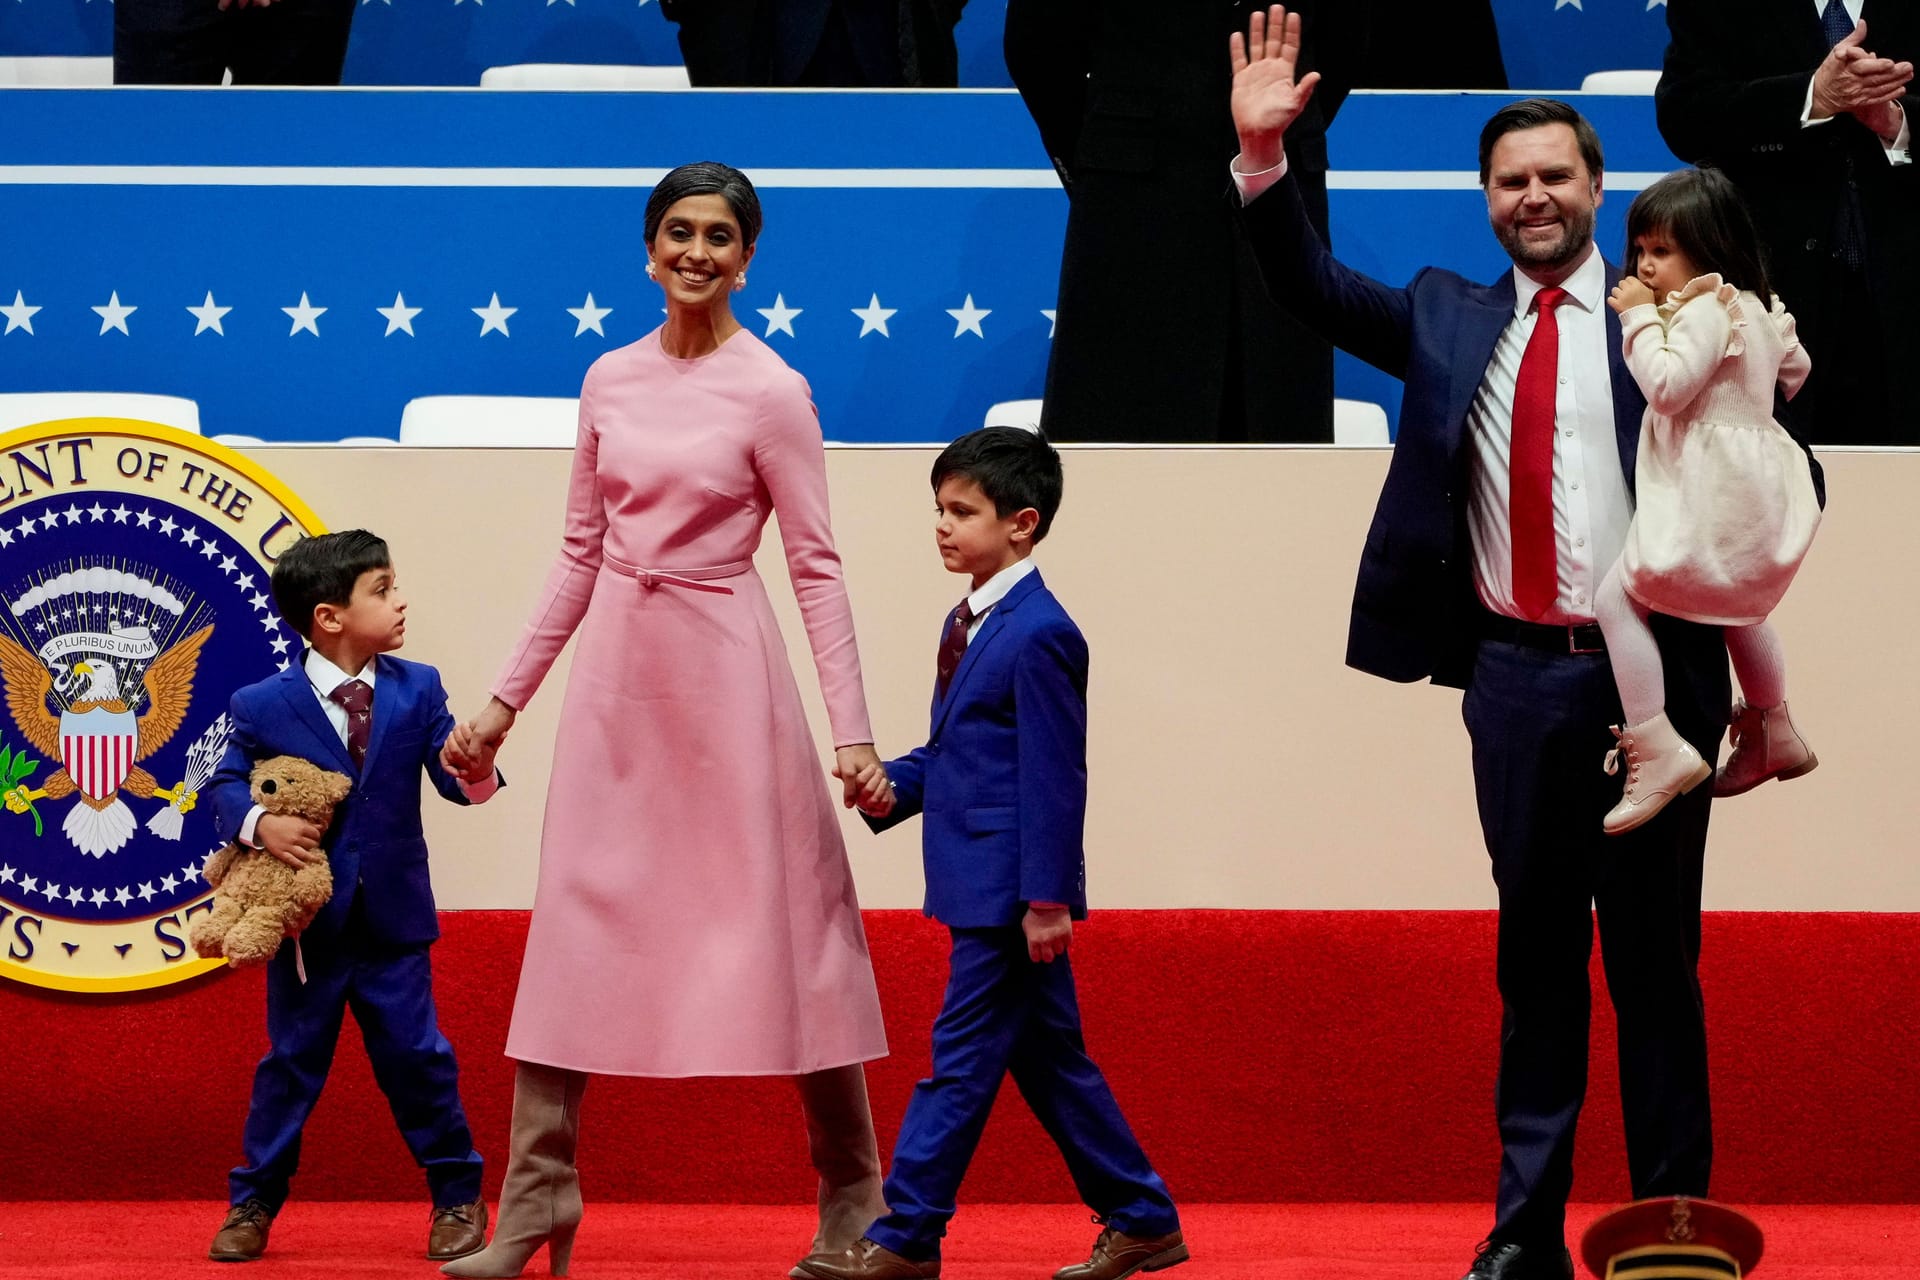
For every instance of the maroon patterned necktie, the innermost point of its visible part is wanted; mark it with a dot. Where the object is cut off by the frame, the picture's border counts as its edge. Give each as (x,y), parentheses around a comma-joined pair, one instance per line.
(953,647)
(356,698)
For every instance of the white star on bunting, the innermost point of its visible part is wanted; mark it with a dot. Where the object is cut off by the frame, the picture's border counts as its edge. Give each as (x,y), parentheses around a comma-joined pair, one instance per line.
(874,317)
(493,317)
(1558,5)
(1652,3)
(19,315)
(589,317)
(779,316)
(967,318)
(1051,322)
(304,316)
(113,315)
(399,316)
(208,315)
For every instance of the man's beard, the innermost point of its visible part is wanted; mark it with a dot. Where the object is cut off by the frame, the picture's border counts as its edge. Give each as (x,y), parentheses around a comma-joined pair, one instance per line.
(1576,235)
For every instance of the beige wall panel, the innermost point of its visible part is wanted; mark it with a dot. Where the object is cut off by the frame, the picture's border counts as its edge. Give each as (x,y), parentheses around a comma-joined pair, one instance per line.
(1235,761)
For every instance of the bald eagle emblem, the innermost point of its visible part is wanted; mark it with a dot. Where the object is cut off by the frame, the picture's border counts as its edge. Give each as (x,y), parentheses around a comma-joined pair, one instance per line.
(72,701)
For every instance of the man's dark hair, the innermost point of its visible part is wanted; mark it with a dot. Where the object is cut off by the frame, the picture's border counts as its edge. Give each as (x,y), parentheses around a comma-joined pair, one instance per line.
(1014,467)
(1533,113)
(322,570)
(1701,212)
(706,178)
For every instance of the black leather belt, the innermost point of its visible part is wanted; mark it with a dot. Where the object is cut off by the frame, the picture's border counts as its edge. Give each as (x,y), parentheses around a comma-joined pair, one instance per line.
(1582,638)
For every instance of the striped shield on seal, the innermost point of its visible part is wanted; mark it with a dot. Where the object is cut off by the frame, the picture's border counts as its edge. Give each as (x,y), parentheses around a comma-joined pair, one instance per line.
(97,747)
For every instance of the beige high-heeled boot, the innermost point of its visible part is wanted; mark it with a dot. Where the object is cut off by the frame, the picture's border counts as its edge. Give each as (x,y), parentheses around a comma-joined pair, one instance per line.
(845,1154)
(1660,765)
(540,1202)
(1765,745)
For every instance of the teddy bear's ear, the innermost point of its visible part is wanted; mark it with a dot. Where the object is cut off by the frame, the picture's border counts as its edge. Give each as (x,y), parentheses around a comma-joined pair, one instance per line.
(339,787)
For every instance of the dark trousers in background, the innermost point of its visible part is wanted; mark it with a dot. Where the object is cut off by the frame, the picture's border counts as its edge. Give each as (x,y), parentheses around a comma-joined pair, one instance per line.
(390,990)
(1003,1012)
(1538,721)
(196,42)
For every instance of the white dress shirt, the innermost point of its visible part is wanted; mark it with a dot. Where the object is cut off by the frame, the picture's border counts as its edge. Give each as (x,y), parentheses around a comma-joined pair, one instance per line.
(1899,151)
(994,590)
(324,678)
(1591,506)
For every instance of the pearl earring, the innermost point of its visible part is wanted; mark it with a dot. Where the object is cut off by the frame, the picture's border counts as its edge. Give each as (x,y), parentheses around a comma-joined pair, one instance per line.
(740,282)
(652,272)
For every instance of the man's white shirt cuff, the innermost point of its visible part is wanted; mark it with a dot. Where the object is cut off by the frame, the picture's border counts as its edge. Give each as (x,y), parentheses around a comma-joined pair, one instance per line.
(1250,185)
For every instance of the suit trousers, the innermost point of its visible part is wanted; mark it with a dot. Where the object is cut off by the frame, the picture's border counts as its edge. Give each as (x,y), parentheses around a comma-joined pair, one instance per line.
(1005,1012)
(1538,721)
(196,42)
(390,990)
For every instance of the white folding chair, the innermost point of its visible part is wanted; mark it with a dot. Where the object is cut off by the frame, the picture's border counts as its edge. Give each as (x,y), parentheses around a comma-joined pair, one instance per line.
(1024,414)
(1640,82)
(583,75)
(56,73)
(25,408)
(491,421)
(1359,422)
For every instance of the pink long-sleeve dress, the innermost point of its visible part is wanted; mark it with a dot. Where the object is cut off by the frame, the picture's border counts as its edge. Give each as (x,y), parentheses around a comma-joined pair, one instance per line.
(695,914)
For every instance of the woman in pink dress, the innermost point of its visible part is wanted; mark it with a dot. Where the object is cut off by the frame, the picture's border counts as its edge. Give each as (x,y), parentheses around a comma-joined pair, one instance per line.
(695,914)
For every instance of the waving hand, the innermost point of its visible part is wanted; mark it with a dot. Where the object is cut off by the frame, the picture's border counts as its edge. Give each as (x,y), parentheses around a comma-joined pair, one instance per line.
(1266,97)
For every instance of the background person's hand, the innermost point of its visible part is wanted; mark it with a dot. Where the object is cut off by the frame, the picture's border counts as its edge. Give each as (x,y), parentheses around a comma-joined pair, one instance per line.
(1851,78)
(1266,97)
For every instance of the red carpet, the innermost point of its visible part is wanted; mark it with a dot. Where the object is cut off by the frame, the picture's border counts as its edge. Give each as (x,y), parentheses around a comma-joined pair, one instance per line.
(45,1240)
(1263,1056)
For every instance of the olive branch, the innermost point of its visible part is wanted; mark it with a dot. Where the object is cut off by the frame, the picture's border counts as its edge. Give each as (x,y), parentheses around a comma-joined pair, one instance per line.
(14,769)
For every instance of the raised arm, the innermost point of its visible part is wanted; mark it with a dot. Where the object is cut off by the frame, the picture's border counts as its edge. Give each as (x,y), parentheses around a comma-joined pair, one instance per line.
(1674,363)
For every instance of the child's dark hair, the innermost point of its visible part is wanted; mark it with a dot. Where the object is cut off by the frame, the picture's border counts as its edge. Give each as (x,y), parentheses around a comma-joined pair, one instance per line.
(1014,467)
(1701,212)
(322,570)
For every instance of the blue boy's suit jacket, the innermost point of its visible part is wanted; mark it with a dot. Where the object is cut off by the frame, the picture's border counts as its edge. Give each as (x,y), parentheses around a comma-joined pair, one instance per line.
(375,843)
(1002,779)
(1415,611)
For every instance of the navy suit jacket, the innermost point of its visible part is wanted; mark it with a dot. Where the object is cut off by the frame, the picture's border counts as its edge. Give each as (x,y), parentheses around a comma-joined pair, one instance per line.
(1002,779)
(375,843)
(1415,612)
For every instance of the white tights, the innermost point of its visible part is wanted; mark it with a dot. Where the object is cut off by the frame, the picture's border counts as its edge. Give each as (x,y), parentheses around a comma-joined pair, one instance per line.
(1758,659)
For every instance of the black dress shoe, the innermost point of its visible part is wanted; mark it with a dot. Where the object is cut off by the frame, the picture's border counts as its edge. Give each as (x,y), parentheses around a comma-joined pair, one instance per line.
(1499,1260)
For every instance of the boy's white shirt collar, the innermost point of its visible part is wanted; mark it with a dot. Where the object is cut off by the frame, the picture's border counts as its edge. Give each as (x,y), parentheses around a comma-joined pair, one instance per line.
(326,677)
(994,589)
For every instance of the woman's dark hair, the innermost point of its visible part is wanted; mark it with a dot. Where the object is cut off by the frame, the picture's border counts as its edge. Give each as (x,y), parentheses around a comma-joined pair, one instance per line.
(1537,113)
(706,178)
(1014,467)
(1701,211)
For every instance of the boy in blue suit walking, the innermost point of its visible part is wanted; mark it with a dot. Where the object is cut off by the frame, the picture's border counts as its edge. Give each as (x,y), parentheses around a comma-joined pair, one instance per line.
(1002,787)
(348,707)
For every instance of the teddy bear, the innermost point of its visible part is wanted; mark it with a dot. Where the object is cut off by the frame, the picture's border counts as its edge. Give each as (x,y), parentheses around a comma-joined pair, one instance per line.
(258,900)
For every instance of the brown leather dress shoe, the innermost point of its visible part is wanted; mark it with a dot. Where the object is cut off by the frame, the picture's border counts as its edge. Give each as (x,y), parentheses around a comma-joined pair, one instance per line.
(867,1261)
(243,1236)
(457,1231)
(1117,1255)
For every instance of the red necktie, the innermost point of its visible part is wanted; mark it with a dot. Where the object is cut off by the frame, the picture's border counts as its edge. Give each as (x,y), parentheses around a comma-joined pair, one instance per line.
(356,697)
(1536,561)
(953,647)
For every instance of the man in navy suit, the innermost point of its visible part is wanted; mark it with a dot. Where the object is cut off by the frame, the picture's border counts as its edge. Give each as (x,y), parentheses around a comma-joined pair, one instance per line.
(1002,787)
(1507,498)
(349,707)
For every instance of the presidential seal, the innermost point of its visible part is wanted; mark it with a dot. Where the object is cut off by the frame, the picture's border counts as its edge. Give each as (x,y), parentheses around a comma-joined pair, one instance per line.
(134,599)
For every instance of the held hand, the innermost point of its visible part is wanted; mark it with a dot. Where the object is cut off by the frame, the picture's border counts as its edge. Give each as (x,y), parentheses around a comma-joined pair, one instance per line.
(1629,293)
(1851,78)
(1266,98)
(857,766)
(293,840)
(1049,930)
(466,757)
(876,792)
(491,725)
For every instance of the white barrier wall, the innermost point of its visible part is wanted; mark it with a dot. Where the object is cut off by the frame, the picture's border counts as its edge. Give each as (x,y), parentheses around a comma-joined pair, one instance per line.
(1235,761)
